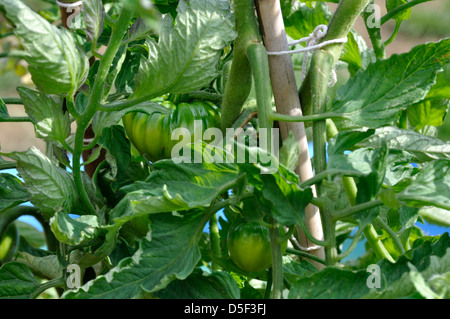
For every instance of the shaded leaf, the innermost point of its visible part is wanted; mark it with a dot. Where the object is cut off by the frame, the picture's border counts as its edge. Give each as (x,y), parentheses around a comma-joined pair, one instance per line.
(12,192)
(218,285)
(190,48)
(16,281)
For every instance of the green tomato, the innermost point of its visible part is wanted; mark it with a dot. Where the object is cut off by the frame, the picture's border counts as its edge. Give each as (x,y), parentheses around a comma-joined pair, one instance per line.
(151,133)
(249,246)
(8,243)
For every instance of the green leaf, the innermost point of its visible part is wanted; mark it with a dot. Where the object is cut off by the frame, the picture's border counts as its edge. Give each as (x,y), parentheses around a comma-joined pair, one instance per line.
(375,96)
(218,285)
(49,120)
(12,192)
(118,154)
(3,111)
(114,70)
(430,187)
(428,112)
(432,110)
(436,216)
(289,152)
(331,283)
(357,163)
(295,270)
(94,17)
(47,267)
(16,281)
(301,19)
(424,148)
(124,82)
(32,236)
(286,201)
(175,187)
(74,231)
(420,284)
(170,252)
(51,187)
(430,258)
(56,64)
(190,48)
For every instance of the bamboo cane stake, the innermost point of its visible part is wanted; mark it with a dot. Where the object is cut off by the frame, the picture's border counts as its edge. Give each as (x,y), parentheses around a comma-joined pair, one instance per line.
(287,101)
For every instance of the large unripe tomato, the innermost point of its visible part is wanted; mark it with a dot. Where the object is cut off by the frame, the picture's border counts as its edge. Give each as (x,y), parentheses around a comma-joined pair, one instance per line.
(249,246)
(151,133)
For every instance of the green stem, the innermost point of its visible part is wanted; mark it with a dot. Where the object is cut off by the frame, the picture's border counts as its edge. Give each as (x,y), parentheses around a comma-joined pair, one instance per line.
(239,83)
(12,100)
(321,66)
(58,282)
(306,255)
(14,54)
(268,290)
(94,101)
(374,34)
(214,241)
(120,105)
(391,233)
(15,119)
(7,165)
(376,244)
(405,6)
(257,55)
(7,34)
(349,212)
(13,213)
(350,189)
(356,239)
(340,25)
(206,96)
(370,232)
(307,118)
(394,33)
(277,262)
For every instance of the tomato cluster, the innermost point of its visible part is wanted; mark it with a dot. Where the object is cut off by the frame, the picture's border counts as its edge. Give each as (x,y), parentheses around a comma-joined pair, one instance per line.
(151,134)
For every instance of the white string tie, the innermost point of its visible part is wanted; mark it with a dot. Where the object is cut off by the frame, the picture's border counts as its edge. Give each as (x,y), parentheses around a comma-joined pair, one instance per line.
(312,44)
(69,5)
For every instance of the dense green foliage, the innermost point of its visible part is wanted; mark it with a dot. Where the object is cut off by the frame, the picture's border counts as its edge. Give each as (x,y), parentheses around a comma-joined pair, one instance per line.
(144,225)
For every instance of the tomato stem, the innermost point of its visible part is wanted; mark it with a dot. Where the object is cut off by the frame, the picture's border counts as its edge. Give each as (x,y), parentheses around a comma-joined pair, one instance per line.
(374,33)
(305,254)
(94,103)
(214,241)
(277,262)
(340,25)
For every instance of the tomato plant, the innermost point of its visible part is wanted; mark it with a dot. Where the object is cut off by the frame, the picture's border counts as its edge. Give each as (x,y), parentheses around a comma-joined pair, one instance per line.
(343,222)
